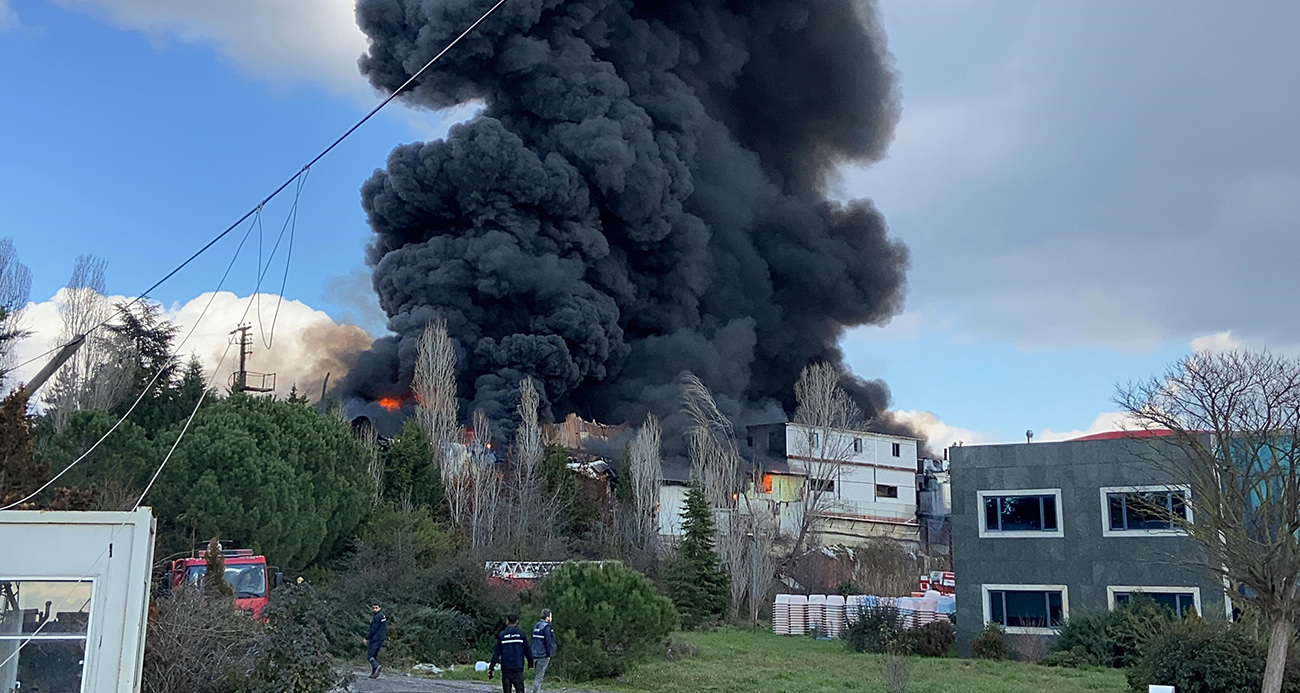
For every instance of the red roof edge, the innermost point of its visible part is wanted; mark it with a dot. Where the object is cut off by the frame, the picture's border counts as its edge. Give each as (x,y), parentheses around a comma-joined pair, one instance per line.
(1116,435)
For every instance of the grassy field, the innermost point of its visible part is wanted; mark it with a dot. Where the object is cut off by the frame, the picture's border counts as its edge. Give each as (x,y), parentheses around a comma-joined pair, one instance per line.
(733,660)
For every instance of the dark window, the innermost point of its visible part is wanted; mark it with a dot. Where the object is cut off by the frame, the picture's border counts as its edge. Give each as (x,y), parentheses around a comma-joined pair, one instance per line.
(885,491)
(775,444)
(857,445)
(749,441)
(822,485)
(1181,603)
(1145,510)
(1020,513)
(1026,608)
(898,450)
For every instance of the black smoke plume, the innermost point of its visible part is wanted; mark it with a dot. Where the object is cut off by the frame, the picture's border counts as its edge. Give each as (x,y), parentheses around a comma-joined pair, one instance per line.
(642,194)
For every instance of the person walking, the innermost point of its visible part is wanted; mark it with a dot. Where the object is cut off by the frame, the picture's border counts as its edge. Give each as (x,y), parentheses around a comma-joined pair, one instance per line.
(511,651)
(375,639)
(543,648)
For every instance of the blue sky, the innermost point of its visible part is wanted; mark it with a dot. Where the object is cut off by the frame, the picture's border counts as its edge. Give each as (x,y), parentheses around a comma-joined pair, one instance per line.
(1085,187)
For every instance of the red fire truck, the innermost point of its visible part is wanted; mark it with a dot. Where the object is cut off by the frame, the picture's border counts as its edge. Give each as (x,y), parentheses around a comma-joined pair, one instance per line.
(246,573)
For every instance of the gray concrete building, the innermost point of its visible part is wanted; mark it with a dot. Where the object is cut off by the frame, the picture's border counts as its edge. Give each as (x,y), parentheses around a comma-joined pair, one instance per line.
(1044,530)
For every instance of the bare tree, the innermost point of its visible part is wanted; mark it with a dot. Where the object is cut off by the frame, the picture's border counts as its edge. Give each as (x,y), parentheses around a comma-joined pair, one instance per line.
(1229,425)
(485,509)
(821,445)
(646,475)
(715,460)
(15,290)
(83,307)
(370,438)
(527,453)
(437,410)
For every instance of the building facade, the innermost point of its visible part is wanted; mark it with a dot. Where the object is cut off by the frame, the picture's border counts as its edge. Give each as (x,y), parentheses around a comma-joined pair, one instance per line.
(1045,529)
(869,480)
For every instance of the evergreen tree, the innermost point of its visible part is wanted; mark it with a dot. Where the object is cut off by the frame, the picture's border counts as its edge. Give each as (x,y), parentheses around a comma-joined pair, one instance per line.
(296,397)
(20,472)
(214,580)
(698,586)
(408,474)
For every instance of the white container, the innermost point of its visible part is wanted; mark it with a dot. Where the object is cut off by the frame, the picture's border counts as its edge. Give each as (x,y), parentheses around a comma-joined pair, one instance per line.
(834,618)
(798,614)
(1160,689)
(816,611)
(781,615)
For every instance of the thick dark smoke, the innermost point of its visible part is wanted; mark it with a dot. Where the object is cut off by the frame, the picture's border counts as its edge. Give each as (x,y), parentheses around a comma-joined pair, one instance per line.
(642,194)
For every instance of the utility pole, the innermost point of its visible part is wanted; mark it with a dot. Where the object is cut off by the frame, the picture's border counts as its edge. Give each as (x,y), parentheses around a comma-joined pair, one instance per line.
(239,380)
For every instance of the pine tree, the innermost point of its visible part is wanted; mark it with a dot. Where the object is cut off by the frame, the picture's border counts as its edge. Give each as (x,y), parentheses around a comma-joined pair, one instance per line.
(20,471)
(698,586)
(214,580)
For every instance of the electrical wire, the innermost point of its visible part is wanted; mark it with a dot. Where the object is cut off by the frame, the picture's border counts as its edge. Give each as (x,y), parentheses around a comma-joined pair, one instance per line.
(301,172)
(291,224)
(149,386)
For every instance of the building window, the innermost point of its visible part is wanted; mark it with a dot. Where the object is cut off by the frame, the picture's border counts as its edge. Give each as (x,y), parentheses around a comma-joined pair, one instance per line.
(1182,601)
(749,441)
(43,625)
(767,483)
(1025,608)
(1031,512)
(821,485)
(898,450)
(857,445)
(814,440)
(886,491)
(1139,510)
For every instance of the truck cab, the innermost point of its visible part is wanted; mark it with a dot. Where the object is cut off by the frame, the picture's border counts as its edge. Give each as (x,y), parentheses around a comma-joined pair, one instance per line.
(246,573)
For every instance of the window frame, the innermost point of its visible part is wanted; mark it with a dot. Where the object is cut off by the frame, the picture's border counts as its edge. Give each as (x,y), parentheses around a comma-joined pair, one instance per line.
(986,597)
(1112,590)
(857,445)
(1105,492)
(889,486)
(985,533)
(89,660)
(897,450)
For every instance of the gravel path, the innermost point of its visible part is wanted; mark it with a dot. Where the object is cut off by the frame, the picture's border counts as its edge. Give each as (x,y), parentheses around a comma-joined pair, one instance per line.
(406,683)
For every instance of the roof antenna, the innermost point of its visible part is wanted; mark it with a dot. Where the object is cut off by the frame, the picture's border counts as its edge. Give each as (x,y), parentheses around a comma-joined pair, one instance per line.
(1029,436)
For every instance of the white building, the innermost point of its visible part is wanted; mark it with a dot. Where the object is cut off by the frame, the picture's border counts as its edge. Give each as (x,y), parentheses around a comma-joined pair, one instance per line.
(867,480)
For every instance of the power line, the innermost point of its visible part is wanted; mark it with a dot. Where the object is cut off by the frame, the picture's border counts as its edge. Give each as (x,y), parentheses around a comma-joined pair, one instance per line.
(302,172)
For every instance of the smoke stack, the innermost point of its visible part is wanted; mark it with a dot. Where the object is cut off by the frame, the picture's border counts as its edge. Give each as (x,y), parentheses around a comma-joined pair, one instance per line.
(642,194)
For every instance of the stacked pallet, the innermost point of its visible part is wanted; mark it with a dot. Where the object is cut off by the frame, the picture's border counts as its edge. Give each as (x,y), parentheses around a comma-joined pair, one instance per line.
(781,615)
(834,620)
(816,612)
(798,614)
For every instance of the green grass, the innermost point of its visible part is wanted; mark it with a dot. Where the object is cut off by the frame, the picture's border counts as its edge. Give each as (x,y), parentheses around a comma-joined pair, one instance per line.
(737,660)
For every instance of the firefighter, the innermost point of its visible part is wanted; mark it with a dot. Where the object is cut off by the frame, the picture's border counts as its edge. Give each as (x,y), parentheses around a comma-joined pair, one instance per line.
(375,639)
(511,651)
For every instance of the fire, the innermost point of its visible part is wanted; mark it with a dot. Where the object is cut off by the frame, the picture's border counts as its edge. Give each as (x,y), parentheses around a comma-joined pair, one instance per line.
(390,403)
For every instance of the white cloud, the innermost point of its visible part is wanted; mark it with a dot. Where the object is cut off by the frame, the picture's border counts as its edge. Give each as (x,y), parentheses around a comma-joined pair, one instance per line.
(1218,342)
(283,40)
(939,434)
(1105,422)
(305,345)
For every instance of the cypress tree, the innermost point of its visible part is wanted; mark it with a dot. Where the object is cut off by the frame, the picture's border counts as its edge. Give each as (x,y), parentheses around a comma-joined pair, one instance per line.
(214,580)
(697,585)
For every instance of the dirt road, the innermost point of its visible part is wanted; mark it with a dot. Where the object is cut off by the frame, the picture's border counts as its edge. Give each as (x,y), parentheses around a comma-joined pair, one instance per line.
(402,683)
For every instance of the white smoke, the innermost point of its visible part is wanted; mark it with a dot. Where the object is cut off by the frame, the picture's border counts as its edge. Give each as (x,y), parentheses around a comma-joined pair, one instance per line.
(305,345)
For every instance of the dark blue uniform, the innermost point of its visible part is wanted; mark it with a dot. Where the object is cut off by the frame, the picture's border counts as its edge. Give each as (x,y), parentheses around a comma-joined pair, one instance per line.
(511,652)
(375,639)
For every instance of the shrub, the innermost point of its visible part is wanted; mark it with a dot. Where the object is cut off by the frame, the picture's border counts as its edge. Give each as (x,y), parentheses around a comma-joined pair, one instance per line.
(197,645)
(1196,656)
(990,643)
(1085,638)
(679,649)
(1076,657)
(878,630)
(608,618)
(934,639)
(1132,625)
(295,656)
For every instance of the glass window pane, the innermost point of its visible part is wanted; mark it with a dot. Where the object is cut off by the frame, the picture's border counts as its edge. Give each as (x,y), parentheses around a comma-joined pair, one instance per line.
(47,666)
(1027,609)
(1116,503)
(1049,513)
(50,607)
(1179,505)
(995,607)
(1021,514)
(991,514)
(1122,598)
(1055,610)
(1148,510)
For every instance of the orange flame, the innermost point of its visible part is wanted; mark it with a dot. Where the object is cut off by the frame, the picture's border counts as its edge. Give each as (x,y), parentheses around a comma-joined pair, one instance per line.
(390,403)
